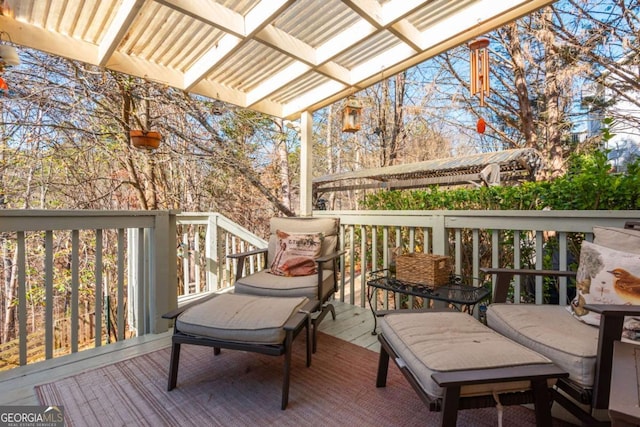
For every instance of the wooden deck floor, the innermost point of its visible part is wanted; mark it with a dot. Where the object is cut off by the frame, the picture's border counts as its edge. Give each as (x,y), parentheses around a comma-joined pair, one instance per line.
(352,324)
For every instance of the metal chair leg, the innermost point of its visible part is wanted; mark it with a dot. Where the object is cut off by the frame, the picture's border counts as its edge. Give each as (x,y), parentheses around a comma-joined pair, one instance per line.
(173,366)
(287,369)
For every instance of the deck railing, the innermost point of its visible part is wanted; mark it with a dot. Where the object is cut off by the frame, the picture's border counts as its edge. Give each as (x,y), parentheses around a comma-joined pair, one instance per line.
(205,241)
(60,268)
(128,268)
(474,239)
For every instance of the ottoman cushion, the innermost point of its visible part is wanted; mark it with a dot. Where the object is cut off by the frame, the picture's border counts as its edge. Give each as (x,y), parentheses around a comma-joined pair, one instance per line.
(240,318)
(452,341)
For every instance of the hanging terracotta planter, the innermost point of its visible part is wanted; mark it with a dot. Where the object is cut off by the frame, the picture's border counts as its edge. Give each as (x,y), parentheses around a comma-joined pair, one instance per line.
(149,140)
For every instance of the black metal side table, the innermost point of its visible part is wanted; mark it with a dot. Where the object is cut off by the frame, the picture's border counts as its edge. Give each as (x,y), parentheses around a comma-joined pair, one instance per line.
(458,293)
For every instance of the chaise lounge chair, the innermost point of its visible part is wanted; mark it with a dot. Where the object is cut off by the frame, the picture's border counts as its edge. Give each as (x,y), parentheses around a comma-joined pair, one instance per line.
(301,261)
(579,338)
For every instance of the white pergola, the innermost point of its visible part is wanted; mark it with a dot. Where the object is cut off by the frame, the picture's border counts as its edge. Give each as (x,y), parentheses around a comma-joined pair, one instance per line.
(285,58)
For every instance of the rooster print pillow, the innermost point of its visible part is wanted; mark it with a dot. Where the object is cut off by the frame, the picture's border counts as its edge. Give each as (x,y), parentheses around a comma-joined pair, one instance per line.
(607,276)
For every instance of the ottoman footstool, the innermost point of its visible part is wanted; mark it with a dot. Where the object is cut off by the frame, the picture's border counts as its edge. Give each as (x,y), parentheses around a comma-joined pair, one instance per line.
(455,362)
(266,325)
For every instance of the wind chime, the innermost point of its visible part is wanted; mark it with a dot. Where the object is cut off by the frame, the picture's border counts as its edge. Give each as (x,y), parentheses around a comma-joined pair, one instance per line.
(479,62)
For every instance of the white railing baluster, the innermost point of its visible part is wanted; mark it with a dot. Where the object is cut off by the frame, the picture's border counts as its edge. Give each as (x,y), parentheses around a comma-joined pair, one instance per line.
(48,289)
(352,265)
(412,248)
(230,264)
(196,258)
(211,257)
(385,262)
(186,262)
(141,279)
(517,262)
(342,284)
(120,285)
(427,244)
(363,264)
(75,288)
(98,283)
(458,250)
(22,297)
(562,265)
(374,248)
(475,233)
(144,277)
(539,265)
(398,244)
(495,250)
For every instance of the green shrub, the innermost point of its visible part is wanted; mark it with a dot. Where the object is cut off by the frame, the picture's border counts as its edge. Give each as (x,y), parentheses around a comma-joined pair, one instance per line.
(589,184)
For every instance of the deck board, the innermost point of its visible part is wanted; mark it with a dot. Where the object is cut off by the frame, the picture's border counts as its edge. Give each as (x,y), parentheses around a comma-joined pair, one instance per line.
(352,324)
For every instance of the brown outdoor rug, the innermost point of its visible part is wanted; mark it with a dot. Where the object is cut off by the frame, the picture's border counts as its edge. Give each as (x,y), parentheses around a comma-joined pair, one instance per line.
(244,389)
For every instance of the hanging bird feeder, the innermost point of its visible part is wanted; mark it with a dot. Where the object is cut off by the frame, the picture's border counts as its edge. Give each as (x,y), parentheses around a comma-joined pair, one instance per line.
(217,109)
(351,115)
(479,62)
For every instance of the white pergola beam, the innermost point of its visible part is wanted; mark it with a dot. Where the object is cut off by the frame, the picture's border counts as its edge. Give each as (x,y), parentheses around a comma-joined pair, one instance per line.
(118,29)
(345,40)
(217,54)
(48,41)
(277,81)
(288,45)
(257,19)
(311,97)
(264,13)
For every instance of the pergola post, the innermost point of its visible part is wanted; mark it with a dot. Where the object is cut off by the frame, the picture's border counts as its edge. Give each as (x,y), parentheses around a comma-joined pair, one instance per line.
(163,295)
(306,163)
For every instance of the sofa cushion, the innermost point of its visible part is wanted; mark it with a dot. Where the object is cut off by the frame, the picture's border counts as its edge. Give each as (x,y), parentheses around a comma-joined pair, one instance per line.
(606,276)
(267,284)
(240,318)
(621,239)
(452,341)
(551,331)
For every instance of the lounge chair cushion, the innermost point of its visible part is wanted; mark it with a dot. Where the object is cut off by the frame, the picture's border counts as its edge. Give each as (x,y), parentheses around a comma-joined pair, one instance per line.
(266,284)
(545,329)
(621,239)
(452,341)
(240,318)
